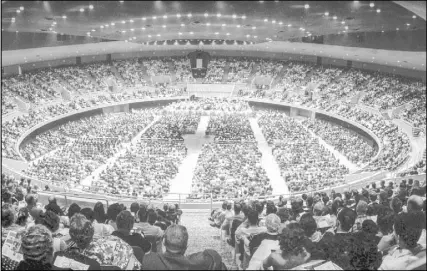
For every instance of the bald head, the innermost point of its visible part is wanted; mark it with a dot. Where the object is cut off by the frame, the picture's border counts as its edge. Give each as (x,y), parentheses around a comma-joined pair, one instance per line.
(52,199)
(176,239)
(415,203)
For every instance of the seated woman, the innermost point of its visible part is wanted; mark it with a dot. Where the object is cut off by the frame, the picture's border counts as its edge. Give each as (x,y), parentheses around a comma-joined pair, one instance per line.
(295,249)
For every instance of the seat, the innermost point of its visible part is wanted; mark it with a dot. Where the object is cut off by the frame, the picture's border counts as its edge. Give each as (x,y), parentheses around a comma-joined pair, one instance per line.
(156,243)
(139,253)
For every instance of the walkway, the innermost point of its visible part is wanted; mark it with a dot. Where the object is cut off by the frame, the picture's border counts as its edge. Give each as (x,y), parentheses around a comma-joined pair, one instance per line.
(95,174)
(341,158)
(182,182)
(268,161)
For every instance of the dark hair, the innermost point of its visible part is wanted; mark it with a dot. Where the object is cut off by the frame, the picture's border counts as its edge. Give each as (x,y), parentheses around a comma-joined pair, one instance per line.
(409,226)
(134,207)
(325,199)
(346,217)
(224,205)
(396,205)
(30,199)
(113,210)
(308,224)
(259,207)
(310,201)
(23,215)
(50,220)
(253,216)
(142,214)
(369,226)
(7,217)
(73,209)
(385,221)
(292,240)
(88,213)
(304,196)
(237,208)
(284,214)
(125,220)
(81,230)
(152,217)
(364,254)
(271,208)
(336,204)
(99,212)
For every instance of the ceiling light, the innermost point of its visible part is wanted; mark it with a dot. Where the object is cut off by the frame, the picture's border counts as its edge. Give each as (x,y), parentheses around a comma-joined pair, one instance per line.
(164,26)
(326,13)
(228,34)
(18,11)
(88,33)
(189,15)
(265,20)
(123,22)
(132,29)
(90,6)
(123,31)
(238,26)
(182,24)
(335,17)
(165,16)
(378,10)
(408,24)
(131,21)
(216,33)
(274,21)
(143,18)
(64,17)
(280,23)
(101,26)
(223,25)
(178,15)
(218,15)
(158,35)
(372,5)
(191,33)
(107,25)
(414,17)
(306,6)
(154,17)
(142,28)
(149,36)
(113,24)
(382,31)
(206,15)
(82,9)
(397,29)
(21,8)
(180,33)
(248,36)
(93,30)
(121,1)
(234,16)
(244,17)
(346,27)
(289,25)
(208,24)
(253,27)
(54,23)
(343,22)
(255,36)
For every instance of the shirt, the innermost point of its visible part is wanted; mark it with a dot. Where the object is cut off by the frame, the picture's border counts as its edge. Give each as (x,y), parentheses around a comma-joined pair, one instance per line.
(148,229)
(135,240)
(404,259)
(165,261)
(101,230)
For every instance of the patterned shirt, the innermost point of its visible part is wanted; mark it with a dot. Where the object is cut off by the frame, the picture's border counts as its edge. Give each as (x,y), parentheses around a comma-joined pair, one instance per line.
(113,251)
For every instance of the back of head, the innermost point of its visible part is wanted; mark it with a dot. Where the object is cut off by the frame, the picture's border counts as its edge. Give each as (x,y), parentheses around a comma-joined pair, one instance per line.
(259,207)
(272,222)
(31,200)
(99,211)
(176,239)
(7,217)
(271,208)
(113,210)
(73,209)
(385,221)
(396,205)
(408,226)
(206,260)
(37,244)
(369,227)
(229,206)
(237,208)
(88,213)
(81,230)
(134,207)
(292,240)
(308,224)
(310,201)
(415,203)
(283,214)
(152,217)
(50,220)
(125,220)
(52,199)
(361,208)
(142,214)
(346,218)
(224,205)
(253,216)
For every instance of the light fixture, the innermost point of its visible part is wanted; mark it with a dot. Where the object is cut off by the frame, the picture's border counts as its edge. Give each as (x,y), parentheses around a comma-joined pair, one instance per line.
(131,21)
(248,36)
(274,21)
(189,15)
(158,35)
(234,16)
(164,26)
(208,24)
(101,26)
(206,15)
(280,23)
(178,15)
(143,18)
(397,29)
(335,17)
(289,25)
(218,15)
(132,29)
(372,5)
(414,17)
(113,24)
(18,11)
(64,17)
(326,13)
(255,36)
(123,22)
(244,17)
(90,6)
(238,26)
(378,10)
(223,25)
(408,24)
(228,34)
(216,33)
(142,28)
(253,27)
(382,31)
(165,16)
(346,27)
(180,33)
(123,31)
(93,30)
(82,10)
(191,33)
(154,17)
(182,24)
(342,22)
(265,20)
(21,8)
(306,6)
(149,36)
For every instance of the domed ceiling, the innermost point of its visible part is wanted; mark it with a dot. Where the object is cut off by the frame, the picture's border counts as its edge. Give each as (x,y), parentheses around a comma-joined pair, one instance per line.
(247,21)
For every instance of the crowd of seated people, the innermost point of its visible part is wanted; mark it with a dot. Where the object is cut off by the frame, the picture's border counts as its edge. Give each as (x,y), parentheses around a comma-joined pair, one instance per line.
(230,127)
(172,126)
(269,68)
(230,170)
(144,170)
(305,164)
(101,72)
(157,66)
(215,104)
(376,228)
(183,69)
(347,142)
(215,71)
(239,70)
(396,144)
(131,72)
(415,112)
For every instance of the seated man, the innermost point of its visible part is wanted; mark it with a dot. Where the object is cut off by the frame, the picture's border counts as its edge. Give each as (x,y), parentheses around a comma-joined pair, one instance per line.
(175,242)
(408,254)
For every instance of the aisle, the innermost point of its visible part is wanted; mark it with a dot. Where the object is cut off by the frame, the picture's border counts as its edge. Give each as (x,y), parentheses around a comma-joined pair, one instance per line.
(182,181)
(95,174)
(268,161)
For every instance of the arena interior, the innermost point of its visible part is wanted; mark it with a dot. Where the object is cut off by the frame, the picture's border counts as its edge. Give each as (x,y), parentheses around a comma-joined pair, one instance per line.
(198,135)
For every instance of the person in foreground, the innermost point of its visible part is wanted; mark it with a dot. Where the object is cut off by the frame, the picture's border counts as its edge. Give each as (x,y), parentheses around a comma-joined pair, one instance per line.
(408,254)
